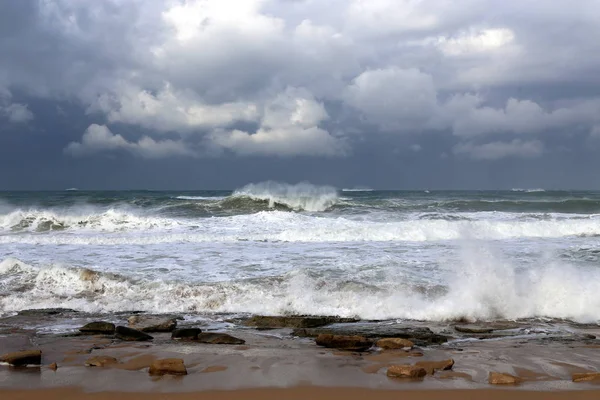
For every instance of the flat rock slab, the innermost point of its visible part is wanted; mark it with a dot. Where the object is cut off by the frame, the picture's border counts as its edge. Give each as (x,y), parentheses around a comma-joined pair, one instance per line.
(406,371)
(299,321)
(186,333)
(473,329)
(151,323)
(218,338)
(497,378)
(587,377)
(101,361)
(432,366)
(342,342)
(394,343)
(22,358)
(419,336)
(167,366)
(98,327)
(45,311)
(131,335)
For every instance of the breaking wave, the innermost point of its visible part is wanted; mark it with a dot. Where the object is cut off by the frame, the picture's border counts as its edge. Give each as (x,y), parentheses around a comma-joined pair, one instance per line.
(482,286)
(299,197)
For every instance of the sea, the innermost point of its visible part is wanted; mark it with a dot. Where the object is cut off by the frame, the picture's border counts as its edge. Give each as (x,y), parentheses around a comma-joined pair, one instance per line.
(284,249)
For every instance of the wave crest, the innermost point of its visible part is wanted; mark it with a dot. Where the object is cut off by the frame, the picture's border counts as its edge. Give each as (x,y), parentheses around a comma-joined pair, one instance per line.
(298,197)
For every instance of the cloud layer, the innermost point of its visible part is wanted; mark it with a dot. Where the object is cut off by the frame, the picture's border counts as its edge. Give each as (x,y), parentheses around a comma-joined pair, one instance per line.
(307,78)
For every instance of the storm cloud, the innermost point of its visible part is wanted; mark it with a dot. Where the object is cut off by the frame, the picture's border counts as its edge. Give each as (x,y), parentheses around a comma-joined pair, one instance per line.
(432,86)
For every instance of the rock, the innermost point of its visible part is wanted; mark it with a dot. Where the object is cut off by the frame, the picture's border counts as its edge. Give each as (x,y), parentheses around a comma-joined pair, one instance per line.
(394,343)
(297,321)
(432,366)
(22,358)
(586,377)
(89,275)
(100,361)
(218,338)
(146,323)
(406,371)
(45,311)
(341,342)
(497,378)
(131,335)
(473,329)
(53,366)
(98,327)
(186,333)
(419,336)
(168,366)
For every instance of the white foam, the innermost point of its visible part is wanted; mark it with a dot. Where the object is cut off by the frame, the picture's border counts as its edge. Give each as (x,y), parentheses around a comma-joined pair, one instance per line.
(481,286)
(302,196)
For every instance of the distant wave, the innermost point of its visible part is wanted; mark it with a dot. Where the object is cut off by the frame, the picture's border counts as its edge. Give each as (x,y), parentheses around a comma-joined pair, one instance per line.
(211,198)
(528,190)
(357,190)
(299,197)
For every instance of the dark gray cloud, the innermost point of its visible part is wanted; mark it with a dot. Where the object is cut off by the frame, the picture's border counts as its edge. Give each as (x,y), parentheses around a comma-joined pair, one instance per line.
(378,92)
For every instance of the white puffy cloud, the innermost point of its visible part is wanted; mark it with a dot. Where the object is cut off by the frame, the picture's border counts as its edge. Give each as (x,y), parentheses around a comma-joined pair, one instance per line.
(290,127)
(98,138)
(497,150)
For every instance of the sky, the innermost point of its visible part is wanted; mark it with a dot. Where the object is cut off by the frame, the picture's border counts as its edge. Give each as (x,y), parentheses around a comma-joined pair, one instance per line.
(215,94)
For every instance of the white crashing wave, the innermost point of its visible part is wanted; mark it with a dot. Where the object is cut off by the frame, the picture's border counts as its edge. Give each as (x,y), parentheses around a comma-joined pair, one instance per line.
(87,218)
(302,196)
(535,190)
(127,228)
(481,287)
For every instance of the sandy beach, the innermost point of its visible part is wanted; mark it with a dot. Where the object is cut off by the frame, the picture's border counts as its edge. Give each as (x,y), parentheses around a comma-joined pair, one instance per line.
(274,363)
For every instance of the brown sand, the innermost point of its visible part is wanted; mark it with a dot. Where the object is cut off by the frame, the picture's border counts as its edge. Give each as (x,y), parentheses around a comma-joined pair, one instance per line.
(303,394)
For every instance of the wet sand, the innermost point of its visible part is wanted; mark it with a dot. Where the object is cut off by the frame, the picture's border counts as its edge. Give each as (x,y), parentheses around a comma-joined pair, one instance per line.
(275,364)
(303,394)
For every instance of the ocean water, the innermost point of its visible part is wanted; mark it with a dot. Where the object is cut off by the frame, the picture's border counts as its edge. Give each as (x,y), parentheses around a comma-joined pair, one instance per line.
(274,248)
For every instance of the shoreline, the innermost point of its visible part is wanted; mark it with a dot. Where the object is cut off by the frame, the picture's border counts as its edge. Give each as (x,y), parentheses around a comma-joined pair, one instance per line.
(303,393)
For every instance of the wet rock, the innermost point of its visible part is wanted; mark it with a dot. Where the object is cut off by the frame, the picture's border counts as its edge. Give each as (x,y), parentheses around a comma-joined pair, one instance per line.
(432,366)
(419,336)
(45,312)
(406,371)
(586,377)
(98,327)
(101,361)
(344,342)
(22,358)
(297,321)
(131,335)
(53,366)
(146,323)
(497,378)
(394,343)
(473,329)
(168,366)
(218,338)
(89,275)
(186,333)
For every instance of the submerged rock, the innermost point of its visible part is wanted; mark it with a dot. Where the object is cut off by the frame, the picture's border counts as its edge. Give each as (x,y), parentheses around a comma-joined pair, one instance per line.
(342,342)
(432,366)
(98,327)
(22,358)
(168,366)
(218,338)
(394,343)
(497,378)
(296,321)
(586,377)
(419,336)
(473,329)
(146,323)
(100,361)
(186,333)
(45,311)
(131,335)
(406,371)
